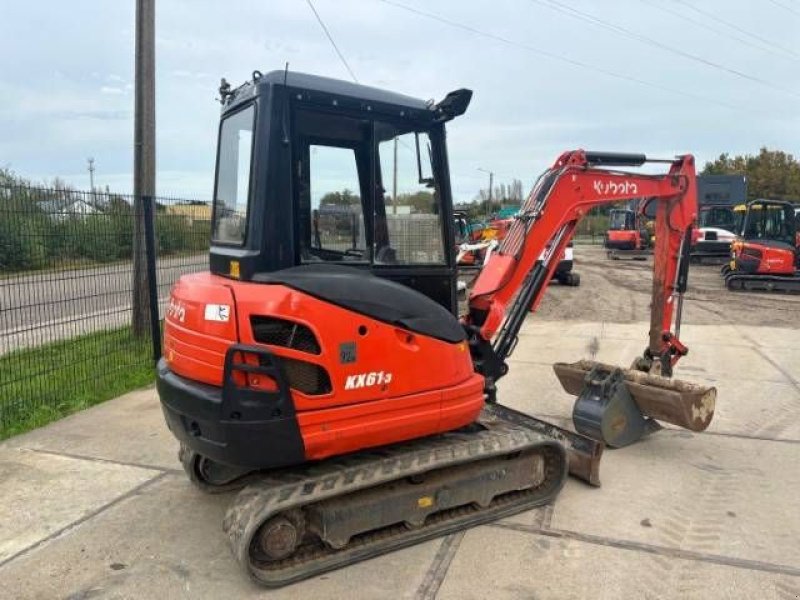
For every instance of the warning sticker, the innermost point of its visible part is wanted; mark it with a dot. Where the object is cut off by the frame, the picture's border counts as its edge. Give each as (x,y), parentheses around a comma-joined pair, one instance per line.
(218,312)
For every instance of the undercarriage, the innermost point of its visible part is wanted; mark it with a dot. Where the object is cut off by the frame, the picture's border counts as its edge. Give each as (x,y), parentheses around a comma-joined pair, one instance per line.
(290,524)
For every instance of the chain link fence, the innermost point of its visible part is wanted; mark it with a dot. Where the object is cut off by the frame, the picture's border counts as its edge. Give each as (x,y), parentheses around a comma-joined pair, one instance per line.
(66,295)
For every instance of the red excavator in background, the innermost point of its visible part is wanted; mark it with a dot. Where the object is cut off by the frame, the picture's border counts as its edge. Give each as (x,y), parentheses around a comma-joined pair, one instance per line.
(321,364)
(765,257)
(628,235)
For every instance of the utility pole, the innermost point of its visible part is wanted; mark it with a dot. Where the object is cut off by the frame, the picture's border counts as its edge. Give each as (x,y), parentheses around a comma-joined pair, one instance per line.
(90,160)
(144,156)
(394,180)
(491,185)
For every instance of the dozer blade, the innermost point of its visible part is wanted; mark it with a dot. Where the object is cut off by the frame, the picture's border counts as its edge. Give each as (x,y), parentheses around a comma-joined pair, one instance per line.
(681,403)
(300,522)
(584,453)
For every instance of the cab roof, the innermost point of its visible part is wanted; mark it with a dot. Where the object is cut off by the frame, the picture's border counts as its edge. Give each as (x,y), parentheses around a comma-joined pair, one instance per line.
(325,90)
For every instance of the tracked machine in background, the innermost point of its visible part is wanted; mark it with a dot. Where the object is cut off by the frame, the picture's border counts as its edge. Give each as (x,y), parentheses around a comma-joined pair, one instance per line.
(718,197)
(765,257)
(628,235)
(336,385)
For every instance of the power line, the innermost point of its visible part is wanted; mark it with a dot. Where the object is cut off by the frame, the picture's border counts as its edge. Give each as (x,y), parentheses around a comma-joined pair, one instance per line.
(708,27)
(557,57)
(784,7)
(737,28)
(330,38)
(586,17)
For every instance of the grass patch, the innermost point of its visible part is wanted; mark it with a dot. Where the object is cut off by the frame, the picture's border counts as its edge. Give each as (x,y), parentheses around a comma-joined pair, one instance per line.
(43,384)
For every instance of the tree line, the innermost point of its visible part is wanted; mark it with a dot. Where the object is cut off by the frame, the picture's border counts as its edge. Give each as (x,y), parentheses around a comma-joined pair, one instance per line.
(771,174)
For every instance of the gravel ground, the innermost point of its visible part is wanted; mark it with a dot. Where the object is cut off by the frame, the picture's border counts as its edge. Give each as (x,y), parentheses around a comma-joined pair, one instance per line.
(619,291)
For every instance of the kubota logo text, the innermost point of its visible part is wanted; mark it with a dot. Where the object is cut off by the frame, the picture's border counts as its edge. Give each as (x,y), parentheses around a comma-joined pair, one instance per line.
(176,310)
(613,188)
(367,379)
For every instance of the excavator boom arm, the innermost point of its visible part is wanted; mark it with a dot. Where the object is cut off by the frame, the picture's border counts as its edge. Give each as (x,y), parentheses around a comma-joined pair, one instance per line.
(514,279)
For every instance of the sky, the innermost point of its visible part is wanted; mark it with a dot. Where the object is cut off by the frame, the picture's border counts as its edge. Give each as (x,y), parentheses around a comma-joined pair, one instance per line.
(661,77)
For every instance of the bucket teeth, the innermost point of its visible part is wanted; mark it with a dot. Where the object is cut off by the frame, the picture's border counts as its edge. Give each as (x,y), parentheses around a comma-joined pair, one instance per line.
(681,403)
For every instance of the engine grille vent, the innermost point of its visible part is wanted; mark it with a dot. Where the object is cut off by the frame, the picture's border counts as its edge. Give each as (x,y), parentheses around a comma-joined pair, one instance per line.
(288,334)
(306,377)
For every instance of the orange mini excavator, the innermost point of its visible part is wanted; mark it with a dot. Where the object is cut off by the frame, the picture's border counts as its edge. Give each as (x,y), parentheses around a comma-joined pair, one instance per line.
(627,234)
(321,366)
(766,255)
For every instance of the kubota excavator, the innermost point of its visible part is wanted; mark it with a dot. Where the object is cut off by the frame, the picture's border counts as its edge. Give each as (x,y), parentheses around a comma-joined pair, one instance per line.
(321,366)
(627,234)
(765,256)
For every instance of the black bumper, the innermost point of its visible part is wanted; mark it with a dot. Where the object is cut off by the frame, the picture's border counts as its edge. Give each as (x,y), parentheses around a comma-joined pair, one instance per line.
(236,426)
(619,244)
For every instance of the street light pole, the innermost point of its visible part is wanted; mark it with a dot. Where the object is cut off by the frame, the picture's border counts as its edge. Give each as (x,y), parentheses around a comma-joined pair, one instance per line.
(144,155)
(90,160)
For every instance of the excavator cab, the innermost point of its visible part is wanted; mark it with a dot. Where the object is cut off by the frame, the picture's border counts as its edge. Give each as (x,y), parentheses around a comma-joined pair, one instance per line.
(627,235)
(621,219)
(312,170)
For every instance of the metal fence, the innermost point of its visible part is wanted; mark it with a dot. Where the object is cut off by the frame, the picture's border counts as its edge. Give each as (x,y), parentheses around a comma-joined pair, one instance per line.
(66,294)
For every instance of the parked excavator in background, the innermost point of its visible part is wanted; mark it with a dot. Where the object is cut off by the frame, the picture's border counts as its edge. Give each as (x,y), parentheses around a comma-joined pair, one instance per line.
(326,372)
(629,234)
(765,256)
(718,224)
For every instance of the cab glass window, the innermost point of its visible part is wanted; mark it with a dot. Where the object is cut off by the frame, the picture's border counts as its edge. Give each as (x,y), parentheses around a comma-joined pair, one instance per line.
(335,213)
(407,219)
(233,177)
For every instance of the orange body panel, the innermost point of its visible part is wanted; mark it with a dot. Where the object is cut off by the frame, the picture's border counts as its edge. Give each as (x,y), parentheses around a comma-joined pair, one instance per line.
(768,260)
(401,385)
(777,261)
(194,347)
(622,235)
(347,428)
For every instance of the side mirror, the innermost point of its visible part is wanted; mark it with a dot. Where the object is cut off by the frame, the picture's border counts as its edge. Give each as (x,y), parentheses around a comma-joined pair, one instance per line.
(454,104)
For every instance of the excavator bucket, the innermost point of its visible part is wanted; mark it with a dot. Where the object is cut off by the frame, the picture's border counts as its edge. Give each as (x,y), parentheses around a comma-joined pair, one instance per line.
(618,405)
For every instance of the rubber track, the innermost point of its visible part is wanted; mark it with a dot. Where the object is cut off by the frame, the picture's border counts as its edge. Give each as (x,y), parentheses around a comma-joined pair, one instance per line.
(763,283)
(277,493)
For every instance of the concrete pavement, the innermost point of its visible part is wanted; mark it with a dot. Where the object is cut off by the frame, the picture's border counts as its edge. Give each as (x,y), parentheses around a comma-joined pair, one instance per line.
(95,506)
